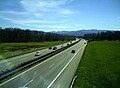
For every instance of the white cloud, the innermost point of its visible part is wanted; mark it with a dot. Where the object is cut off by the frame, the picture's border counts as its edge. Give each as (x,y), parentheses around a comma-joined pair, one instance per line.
(66,11)
(48,11)
(13,12)
(50,26)
(51,6)
(31,21)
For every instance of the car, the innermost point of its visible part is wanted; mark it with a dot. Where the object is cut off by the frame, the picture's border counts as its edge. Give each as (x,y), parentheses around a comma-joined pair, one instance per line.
(23,87)
(61,45)
(68,44)
(50,48)
(73,51)
(54,48)
(37,53)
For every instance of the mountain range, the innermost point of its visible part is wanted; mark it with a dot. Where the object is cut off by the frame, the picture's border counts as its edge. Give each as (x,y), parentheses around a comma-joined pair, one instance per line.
(79,32)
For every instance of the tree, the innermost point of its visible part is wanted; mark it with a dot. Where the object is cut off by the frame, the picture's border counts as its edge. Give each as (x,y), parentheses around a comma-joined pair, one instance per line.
(20,35)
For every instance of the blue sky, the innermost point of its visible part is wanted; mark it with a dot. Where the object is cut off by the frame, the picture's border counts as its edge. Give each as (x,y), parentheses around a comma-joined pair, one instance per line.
(59,15)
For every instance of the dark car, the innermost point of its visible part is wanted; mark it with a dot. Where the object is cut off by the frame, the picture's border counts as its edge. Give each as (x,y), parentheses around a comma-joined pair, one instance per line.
(54,48)
(61,45)
(68,44)
(73,51)
(50,48)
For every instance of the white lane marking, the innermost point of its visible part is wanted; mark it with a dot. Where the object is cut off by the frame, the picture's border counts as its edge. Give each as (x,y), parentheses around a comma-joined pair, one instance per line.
(35,66)
(63,68)
(64,58)
(73,82)
(28,83)
(51,65)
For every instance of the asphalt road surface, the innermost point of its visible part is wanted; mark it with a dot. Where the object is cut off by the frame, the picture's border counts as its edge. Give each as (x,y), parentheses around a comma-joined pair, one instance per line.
(55,72)
(11,62)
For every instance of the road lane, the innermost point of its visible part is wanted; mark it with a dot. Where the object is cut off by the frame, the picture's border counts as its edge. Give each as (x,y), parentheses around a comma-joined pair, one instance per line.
(11,62)
(40,76)
(65,79)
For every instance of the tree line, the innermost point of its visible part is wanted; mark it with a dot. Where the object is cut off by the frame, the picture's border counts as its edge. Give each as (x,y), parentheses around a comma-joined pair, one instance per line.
(108,35)
(19,35)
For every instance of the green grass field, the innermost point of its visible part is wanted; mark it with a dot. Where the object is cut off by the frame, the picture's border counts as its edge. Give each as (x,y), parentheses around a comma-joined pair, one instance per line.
(100,66)
(12,49)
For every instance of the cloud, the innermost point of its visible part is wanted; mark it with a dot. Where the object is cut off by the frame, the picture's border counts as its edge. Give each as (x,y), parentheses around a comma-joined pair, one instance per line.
(45,6)
(13,12)
(66,11)
(39,14)
(50,26)
(31,21)
(21,13)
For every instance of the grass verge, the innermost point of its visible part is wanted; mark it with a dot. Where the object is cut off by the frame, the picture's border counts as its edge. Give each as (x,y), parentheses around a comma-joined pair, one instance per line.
(8,50)
(99,66)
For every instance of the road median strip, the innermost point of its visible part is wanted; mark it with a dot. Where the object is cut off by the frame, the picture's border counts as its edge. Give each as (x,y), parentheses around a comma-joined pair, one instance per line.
(32,62)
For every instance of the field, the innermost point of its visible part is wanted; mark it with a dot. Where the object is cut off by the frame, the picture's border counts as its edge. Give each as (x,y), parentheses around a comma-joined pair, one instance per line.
(12,49)
(100,66)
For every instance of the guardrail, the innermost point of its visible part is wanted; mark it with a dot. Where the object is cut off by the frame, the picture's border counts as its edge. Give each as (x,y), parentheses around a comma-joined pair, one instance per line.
(31,62)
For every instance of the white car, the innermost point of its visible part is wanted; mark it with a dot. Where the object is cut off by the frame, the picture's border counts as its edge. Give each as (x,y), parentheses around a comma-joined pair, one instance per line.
(37,53)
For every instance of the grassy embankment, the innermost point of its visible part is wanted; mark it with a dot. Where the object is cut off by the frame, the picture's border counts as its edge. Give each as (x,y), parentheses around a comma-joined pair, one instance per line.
(100,66)
(13,49)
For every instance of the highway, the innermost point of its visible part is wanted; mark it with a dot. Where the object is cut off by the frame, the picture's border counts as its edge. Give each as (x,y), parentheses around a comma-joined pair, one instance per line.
(55,72)
(14,61)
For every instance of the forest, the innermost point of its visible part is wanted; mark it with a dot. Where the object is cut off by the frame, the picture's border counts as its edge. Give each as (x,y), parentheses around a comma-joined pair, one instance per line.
(25,35)
(108,35)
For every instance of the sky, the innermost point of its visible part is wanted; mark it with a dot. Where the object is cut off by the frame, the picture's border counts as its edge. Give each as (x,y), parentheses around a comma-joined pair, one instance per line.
(60,15)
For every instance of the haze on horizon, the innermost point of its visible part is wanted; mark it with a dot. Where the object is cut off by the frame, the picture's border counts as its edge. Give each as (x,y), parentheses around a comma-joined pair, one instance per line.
(59,15)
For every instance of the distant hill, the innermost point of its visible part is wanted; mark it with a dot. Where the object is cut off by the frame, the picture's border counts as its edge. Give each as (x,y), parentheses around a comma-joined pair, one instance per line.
(79,32)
